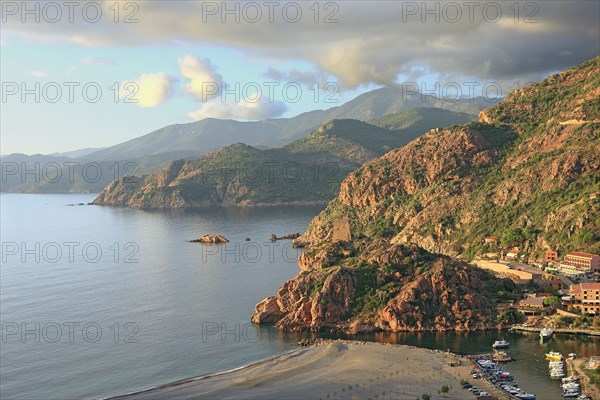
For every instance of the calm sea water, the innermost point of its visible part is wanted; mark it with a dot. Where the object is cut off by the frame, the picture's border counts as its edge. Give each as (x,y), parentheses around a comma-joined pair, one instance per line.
(100,301)
(161,303)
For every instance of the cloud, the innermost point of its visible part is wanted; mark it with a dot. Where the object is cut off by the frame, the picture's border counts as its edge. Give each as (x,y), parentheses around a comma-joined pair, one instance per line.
(372,42)
(242,110)
(37,73)
(148,90)
(98,61)
(308,78)
(204,81)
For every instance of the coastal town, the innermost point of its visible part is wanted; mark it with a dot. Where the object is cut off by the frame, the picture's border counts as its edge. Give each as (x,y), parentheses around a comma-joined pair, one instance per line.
(566,286)
(559,294)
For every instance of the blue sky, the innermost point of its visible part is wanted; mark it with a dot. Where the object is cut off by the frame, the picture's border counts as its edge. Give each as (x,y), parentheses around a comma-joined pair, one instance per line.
(48,127)
(177,47)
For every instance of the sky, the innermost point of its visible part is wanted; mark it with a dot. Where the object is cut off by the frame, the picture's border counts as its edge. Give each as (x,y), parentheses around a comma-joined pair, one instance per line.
(79,74)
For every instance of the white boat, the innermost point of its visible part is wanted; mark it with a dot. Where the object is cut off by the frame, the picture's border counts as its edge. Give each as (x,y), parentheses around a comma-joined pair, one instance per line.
(546,333)
(500,344)
(525,396)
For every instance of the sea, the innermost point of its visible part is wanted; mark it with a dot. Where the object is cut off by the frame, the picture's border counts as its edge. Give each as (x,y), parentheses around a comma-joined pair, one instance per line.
(98,301)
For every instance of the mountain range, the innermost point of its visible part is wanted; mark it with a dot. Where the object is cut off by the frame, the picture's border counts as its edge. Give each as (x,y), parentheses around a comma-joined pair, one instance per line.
(148,152)
(309,170)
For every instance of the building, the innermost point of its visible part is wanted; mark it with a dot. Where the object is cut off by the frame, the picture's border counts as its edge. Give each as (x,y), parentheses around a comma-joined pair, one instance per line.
(576,263)
(532,305)
(586,297)
(556,284)
(341,230)
(512,254)
(551,256)
(490,240)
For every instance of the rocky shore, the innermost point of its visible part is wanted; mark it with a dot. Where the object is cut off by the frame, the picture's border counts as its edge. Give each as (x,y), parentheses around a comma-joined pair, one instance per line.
(373,285)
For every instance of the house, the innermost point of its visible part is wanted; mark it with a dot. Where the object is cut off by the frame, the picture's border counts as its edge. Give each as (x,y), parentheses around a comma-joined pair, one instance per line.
(551,256)
(490,240)
(556,284)
(532,305)
(586,297)
(576,263)
(512,254)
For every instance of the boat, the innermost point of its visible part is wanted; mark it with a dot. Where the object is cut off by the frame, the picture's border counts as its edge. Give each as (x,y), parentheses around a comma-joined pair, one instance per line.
(572,356)
(554,355)
(500,344)
(501,356)
(546,333)
(525,396)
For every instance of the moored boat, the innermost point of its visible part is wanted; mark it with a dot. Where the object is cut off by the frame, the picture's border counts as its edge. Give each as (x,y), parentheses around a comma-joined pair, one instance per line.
(500,344)
(554,355)
(501,356)
(546,333)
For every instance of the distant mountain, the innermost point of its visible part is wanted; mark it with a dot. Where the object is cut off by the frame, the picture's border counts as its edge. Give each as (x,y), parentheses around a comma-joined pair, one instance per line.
(308,170)
(210,134)
(151,151)
(40,173)
(77,153)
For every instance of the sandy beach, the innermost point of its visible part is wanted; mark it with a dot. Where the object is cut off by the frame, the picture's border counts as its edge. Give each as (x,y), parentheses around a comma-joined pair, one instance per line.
(331,370)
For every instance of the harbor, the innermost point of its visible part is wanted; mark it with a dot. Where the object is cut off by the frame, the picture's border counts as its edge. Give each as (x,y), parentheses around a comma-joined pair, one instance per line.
(489,370)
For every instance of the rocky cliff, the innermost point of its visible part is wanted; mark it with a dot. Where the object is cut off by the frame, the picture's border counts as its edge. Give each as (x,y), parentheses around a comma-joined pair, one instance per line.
(526,173)
(375,285)
(530,166)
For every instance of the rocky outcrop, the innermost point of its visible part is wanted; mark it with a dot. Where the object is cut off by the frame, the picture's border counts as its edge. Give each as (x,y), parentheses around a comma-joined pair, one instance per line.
(382,286)
(210,239)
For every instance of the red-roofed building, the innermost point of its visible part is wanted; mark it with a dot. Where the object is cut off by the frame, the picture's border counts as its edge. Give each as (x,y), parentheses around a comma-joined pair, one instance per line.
(556,284)
(490,240)
(586,297)
(577,263)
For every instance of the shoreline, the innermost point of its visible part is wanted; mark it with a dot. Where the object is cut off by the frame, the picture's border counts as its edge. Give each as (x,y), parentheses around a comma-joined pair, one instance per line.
(327,368)
(559,331)
(201,377)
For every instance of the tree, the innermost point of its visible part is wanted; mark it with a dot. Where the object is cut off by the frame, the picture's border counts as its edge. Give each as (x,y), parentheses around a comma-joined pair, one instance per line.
(551,301)
(512,237)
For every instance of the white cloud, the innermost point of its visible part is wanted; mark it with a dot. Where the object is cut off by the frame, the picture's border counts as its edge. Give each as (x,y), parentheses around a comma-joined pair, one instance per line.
(242,110)
(204,81)
(148,90)
(37,73)
(97,61)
